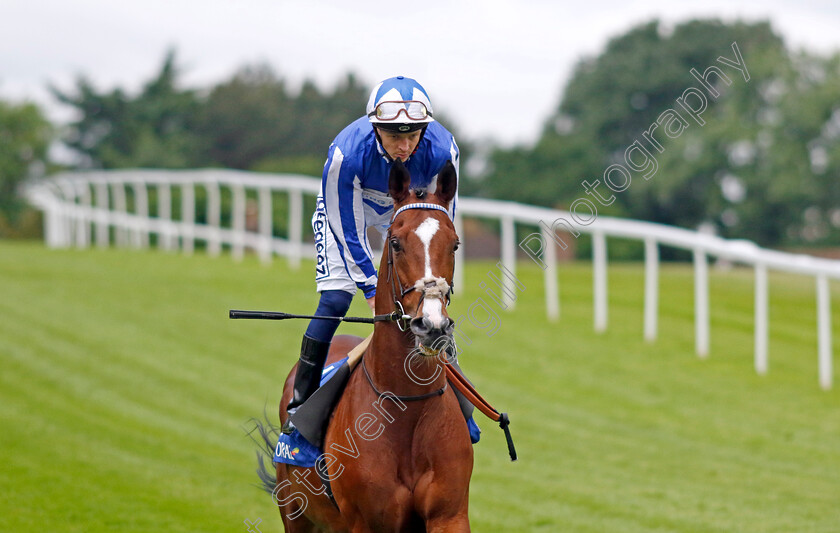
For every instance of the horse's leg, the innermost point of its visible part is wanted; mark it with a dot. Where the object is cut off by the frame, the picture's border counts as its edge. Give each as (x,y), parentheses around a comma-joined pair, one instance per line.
(300,525)
(290,505)
(303,511)
(375,512)
(447,515)
(294,519)
(441,493)
(456,524)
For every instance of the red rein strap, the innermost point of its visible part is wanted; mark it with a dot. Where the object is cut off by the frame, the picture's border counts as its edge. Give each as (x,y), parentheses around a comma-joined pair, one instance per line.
(461,383)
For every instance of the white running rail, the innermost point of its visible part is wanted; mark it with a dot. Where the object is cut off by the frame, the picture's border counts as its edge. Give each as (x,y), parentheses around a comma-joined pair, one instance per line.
(92,208)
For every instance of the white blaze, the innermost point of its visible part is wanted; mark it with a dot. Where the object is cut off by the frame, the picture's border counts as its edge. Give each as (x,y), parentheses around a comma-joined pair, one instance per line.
(426,231)
(432,307)
(433,310)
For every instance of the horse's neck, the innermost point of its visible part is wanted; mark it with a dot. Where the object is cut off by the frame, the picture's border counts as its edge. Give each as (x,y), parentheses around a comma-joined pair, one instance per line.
(386,363)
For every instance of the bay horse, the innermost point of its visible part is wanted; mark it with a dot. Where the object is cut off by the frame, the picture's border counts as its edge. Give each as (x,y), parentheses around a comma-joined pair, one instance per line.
(397,451)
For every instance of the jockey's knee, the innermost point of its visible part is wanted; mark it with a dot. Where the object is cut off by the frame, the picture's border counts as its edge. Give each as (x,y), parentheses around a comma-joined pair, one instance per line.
(334,303)
(331,303)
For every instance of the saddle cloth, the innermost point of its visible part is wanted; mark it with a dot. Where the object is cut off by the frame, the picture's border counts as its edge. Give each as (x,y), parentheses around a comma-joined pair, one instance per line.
(295,449)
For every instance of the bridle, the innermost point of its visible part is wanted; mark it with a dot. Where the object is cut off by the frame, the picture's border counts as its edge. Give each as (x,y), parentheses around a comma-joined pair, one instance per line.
(431,287)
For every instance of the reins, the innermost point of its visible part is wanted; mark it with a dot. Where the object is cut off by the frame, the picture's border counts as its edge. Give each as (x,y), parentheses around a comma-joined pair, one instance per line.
(457,379)
(472,395)
(402,398)
(399,316)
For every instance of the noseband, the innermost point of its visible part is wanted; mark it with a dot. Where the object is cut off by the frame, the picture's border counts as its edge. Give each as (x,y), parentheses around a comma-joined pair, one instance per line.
(431,287)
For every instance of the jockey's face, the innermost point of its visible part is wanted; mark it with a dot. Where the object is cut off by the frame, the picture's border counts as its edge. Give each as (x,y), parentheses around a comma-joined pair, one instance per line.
(399,145)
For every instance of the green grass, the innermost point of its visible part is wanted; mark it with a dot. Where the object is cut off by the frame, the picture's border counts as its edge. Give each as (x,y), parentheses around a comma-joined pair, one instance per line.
(125,389)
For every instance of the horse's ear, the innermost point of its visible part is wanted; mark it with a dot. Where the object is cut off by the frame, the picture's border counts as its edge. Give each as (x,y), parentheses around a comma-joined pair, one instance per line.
(447,183)
(398,182)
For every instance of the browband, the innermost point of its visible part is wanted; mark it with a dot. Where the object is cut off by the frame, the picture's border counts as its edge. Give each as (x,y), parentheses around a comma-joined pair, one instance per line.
(419,205)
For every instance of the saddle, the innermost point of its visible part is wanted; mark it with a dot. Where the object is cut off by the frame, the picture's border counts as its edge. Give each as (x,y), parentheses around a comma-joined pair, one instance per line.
(312,416)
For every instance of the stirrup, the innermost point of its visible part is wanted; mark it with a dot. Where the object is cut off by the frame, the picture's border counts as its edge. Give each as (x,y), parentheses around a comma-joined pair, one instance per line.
(288,426)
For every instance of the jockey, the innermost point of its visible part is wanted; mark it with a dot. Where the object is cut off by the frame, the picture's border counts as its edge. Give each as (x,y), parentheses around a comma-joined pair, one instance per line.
(354,197)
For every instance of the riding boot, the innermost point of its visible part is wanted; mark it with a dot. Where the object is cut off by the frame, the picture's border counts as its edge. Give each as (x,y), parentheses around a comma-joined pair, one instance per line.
(313,354)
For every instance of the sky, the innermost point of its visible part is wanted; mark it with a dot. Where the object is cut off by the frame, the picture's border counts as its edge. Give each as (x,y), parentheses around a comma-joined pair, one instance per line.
(496,67)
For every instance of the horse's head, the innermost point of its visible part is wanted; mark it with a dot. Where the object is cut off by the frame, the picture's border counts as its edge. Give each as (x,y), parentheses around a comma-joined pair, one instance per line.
(420,256)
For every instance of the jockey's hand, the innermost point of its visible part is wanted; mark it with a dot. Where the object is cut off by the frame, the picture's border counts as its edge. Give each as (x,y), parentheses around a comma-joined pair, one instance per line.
(370,302)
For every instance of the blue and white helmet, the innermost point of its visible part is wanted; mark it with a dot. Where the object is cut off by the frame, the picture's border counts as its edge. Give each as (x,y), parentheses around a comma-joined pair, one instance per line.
(399,104)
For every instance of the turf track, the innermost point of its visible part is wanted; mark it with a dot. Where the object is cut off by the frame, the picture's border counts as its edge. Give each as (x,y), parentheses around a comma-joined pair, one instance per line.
(125,390)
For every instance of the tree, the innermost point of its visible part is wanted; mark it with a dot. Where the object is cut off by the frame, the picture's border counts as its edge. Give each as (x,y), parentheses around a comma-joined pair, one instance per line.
(253,121)
(546,175)
(792,181)
(698,178)
(764,164)
(153,129)
(24,139)
(241,120)
(613,97)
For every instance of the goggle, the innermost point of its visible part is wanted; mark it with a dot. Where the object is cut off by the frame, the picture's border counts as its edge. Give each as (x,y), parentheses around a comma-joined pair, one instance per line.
(412,109)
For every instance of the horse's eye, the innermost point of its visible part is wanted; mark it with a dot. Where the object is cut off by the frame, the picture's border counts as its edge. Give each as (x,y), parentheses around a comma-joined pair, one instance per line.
(395,244)
(455,247)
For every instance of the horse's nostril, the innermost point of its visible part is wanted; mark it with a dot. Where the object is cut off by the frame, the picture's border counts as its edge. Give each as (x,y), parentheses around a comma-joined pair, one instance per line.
(421,325)
(448,326)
